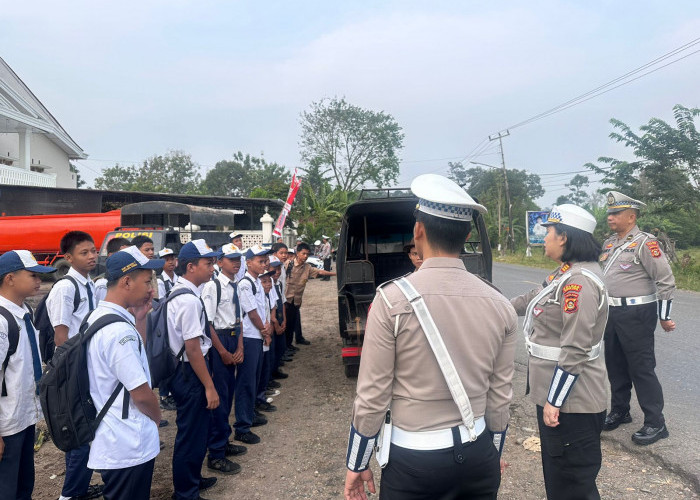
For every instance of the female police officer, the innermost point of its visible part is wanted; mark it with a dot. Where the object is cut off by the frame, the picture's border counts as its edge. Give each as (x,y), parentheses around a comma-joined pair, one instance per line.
(564,325)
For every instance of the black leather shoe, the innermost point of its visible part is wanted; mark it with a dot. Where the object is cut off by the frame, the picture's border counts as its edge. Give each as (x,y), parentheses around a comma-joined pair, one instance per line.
(286,358)
(265,407)
(247,438)
(648,434)
(292,348)
(615,418)
(223,466)
(277,374)
(273,384)
(303,342)
(258,420)
(93,491)
(234,450)
(206,482)
(163,423)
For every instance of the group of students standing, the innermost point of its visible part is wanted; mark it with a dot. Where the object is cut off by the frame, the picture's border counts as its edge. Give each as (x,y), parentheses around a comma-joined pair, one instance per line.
(232,317)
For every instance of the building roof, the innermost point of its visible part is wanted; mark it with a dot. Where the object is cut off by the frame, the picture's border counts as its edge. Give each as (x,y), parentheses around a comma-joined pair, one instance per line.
(21,108)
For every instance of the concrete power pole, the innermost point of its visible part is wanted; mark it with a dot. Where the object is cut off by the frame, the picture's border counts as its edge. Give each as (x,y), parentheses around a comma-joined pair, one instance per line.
(511,234)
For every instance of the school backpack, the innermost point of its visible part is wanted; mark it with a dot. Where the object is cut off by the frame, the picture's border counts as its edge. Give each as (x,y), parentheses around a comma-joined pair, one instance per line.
(43,323)
(255,290)
(13,337)
(161,360)
(64,390)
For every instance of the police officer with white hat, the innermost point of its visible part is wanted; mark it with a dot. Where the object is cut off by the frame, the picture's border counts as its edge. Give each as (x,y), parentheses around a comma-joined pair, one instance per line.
(470,323)
(564,325)
(641,285)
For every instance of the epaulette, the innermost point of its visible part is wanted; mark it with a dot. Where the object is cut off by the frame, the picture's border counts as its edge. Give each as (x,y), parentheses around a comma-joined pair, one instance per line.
(381,291)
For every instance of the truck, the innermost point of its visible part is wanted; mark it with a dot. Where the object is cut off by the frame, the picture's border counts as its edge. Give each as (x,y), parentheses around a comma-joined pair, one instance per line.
(41,234)
(373,234)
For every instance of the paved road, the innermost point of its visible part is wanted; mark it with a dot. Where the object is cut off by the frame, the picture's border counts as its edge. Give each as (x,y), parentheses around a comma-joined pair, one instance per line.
(677,356)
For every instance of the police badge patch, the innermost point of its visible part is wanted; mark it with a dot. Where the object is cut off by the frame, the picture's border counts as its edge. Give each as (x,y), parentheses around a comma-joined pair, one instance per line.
(571,292)
(654,248)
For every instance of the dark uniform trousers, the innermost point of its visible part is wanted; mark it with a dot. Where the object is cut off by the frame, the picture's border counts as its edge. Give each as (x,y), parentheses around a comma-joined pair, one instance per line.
(78,476)
(293,323)
(17,466)
(326,267)
(132,483)
(247,383)
(571,455)
(265,371)
(225,383)
(193,420)
(467,471)
(630,360)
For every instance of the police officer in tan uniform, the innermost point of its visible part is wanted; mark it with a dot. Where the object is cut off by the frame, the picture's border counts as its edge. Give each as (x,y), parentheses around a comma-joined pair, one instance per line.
(641,286)
(564,325)
(432,454)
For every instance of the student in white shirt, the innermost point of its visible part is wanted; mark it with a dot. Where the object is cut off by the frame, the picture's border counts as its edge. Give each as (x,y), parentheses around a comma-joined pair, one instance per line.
(192,385)
(270,305)
(168,278)
(126,441)
(19,402)
(113,245)
(237,240)
(220,297)
(79,250)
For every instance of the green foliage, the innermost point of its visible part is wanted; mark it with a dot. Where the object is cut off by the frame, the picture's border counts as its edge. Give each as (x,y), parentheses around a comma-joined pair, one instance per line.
(118,178)
(577,191)
(247,176)
(320,212)
(351,145)
(80,182)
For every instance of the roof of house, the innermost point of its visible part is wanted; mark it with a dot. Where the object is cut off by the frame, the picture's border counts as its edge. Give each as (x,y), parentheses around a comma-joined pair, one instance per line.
(19,104)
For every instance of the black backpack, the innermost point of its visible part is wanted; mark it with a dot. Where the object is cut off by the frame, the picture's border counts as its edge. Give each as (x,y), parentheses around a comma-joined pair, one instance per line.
(64,390)
(42,322)
(255,290)
(161,361)
(13,337)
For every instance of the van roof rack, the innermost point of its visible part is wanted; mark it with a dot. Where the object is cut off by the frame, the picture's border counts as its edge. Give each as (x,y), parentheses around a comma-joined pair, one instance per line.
(373,194)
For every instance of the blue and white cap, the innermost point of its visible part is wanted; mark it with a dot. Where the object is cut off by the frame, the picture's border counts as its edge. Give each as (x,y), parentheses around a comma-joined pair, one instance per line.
(15,260)
(235,235)
(165,252)
(573,216)
(128,259)
(442,197)
(231,251)
(275,262)
(256,250)
(196,249)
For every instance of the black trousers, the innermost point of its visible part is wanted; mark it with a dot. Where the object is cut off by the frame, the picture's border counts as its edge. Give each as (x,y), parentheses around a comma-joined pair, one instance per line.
(438,474)
(132,483)
(630,360)
(17,466)
(571,455)
(326,267)
(293,330)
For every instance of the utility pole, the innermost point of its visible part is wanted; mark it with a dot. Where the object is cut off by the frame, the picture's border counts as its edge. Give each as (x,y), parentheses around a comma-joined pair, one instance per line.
(499,137)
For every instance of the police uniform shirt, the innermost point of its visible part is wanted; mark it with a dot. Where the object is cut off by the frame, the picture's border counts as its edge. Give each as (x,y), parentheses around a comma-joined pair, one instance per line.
(113,356)
(640,269)
(59,303)
(478,326)
(575,323)
(20,408)
(100,289)
(250,302)
(186,319)
(162,289)
(224,313)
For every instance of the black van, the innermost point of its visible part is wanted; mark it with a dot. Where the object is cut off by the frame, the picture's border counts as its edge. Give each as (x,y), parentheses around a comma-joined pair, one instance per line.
(373,234)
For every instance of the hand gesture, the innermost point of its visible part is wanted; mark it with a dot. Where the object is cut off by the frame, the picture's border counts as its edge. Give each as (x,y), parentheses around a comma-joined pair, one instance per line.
(355,484)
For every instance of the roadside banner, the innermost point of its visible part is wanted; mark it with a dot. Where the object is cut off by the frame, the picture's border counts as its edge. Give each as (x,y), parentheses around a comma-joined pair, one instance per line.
(293,188)
(535,230)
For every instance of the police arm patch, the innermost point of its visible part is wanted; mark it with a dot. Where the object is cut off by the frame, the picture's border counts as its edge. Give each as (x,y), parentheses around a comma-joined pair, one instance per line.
(654,248)
(571,294)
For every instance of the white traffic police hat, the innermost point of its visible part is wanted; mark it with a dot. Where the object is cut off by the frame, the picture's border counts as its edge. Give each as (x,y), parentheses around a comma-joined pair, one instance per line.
(442,197)
(573,216)
(617,202)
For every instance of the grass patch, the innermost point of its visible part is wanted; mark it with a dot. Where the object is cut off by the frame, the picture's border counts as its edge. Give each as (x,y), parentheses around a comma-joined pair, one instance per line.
(687,273)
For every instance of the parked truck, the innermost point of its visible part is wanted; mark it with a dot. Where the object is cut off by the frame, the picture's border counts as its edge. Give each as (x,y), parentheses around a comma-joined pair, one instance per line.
(41,234)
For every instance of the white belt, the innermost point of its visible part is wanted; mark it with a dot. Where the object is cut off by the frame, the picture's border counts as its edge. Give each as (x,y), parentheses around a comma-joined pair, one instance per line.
(433,440)
(631,301)
(551,353)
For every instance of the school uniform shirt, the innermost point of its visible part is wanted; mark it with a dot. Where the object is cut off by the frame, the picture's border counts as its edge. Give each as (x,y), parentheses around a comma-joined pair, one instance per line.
(225,314)
(101,288)
(250,302)
(187,319)
(20,408)
(162,280)
(241,272)
(283,282)
(117,354)
(59,303)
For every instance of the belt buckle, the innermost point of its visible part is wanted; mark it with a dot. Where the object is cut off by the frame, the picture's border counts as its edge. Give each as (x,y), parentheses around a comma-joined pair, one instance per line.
(631,302)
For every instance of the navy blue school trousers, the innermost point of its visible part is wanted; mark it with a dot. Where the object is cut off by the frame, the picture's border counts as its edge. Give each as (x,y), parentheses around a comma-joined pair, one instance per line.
(78,476)
(17,466)
(193,420)
(131,483)
(247,383)
(225,383)
(280,348)
(265,370)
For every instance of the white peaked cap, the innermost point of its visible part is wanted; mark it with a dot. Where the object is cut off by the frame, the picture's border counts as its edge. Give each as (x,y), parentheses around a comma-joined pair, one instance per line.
(442,197)
(571,215)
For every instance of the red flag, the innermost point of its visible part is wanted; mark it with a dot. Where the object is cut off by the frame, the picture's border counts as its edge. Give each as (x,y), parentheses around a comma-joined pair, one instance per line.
(293,188)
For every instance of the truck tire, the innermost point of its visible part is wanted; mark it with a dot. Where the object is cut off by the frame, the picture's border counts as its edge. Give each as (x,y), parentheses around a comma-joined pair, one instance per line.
(351,371)
(62,266)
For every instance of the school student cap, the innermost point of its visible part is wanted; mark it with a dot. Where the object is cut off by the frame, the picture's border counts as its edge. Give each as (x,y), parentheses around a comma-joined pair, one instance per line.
(165,252)
(442,197)
(15,260)
(196,249)
(127,260)
(275,262)
(231,251)
(235,235)
(256,250)
(573,216)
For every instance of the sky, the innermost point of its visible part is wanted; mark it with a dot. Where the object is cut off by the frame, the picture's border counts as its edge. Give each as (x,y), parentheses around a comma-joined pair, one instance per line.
(135,78)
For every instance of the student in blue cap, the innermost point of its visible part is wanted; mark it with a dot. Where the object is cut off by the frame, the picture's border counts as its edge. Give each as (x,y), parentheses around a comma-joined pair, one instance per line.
(20,372)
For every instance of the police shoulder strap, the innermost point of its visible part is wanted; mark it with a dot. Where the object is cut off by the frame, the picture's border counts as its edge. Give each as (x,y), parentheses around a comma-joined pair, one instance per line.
(443,357)
(621,249)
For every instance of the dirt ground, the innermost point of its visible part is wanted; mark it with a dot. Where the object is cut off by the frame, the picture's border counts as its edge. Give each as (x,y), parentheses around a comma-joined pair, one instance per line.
(302,452)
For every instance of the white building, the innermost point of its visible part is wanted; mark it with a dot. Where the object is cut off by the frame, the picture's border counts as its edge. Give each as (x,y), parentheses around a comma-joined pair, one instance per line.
(34,149)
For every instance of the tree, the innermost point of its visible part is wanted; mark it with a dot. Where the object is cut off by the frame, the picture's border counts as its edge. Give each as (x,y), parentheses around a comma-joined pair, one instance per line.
(577,191)
(117,178)
(320,212)
(247,176)
(665,172)
(354,146)
(79,181)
